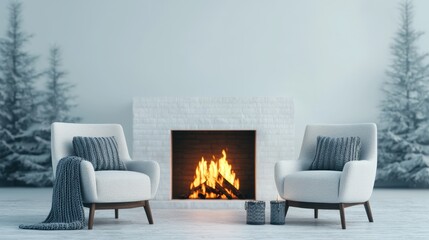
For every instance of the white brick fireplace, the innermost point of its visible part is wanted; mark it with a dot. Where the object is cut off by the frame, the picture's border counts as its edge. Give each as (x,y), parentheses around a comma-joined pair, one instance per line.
(271,117)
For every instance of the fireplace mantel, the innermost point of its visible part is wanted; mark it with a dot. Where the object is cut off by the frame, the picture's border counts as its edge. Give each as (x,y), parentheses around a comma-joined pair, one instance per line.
(271,117)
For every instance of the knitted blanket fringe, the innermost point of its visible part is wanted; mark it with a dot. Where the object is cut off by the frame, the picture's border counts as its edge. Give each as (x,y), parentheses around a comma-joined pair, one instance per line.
(67,207)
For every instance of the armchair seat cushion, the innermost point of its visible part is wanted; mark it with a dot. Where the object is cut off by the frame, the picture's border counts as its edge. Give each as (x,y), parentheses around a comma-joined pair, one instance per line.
(119,186)
(313,186)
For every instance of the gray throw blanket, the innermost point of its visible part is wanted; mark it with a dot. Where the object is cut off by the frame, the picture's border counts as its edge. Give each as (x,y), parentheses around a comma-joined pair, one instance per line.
(67,206)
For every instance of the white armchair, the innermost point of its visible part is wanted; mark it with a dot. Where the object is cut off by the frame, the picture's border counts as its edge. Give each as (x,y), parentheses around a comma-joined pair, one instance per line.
(107,189)
(316,189)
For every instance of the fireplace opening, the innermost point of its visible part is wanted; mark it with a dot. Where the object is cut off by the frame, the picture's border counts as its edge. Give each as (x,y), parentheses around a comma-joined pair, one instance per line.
(213,164)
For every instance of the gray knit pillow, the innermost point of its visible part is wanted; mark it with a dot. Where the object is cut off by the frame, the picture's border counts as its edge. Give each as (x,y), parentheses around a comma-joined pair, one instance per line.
(333,153)
(102,152)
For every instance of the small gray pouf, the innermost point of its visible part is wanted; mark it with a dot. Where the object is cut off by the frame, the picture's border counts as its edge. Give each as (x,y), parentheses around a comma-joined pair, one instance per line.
(255,212)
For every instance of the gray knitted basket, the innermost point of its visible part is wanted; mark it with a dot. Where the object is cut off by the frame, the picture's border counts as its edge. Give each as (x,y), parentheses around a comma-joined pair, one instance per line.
(255,212)
(277,212)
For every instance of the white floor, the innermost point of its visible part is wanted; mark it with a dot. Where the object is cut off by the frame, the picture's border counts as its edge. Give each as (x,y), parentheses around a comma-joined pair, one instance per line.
(398,214)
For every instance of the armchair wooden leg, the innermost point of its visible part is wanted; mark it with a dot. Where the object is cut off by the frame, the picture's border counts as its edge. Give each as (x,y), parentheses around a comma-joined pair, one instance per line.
(148,212)
(343,218)
(368,211)
(116,213)
(91,216)
(316,213)
(286,207)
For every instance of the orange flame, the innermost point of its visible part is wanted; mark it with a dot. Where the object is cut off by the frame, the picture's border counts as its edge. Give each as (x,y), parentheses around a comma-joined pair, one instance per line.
(207,177)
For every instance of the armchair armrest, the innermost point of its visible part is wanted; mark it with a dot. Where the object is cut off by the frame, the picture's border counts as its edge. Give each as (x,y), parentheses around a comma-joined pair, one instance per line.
(87,178)
(357,181)
(283,168)
(150,168)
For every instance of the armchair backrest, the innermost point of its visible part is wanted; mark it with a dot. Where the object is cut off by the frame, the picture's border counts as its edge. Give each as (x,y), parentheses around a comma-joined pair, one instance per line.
(366,131)
(62,136)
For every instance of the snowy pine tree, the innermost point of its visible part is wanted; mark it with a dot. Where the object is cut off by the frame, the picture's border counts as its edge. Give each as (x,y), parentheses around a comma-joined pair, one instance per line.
(404,119)
(58,101)
(23,153)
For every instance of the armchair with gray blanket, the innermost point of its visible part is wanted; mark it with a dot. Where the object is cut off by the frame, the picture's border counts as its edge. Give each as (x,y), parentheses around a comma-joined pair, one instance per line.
(109,189)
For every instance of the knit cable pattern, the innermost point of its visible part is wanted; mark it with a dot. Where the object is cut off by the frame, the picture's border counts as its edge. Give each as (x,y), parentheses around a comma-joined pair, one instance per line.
(67,206)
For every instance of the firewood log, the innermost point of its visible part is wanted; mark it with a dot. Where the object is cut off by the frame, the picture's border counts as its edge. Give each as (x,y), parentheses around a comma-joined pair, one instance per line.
(231,187)
(223,191)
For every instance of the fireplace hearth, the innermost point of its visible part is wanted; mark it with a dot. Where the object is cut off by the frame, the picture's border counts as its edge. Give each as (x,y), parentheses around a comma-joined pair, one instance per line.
(213,164)
(272,118)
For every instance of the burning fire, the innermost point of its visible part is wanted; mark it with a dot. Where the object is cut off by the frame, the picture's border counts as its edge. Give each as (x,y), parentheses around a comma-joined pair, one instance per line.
(217,180)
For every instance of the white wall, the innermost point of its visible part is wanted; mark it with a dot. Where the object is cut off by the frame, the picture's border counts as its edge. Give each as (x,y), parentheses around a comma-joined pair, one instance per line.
(328,55)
